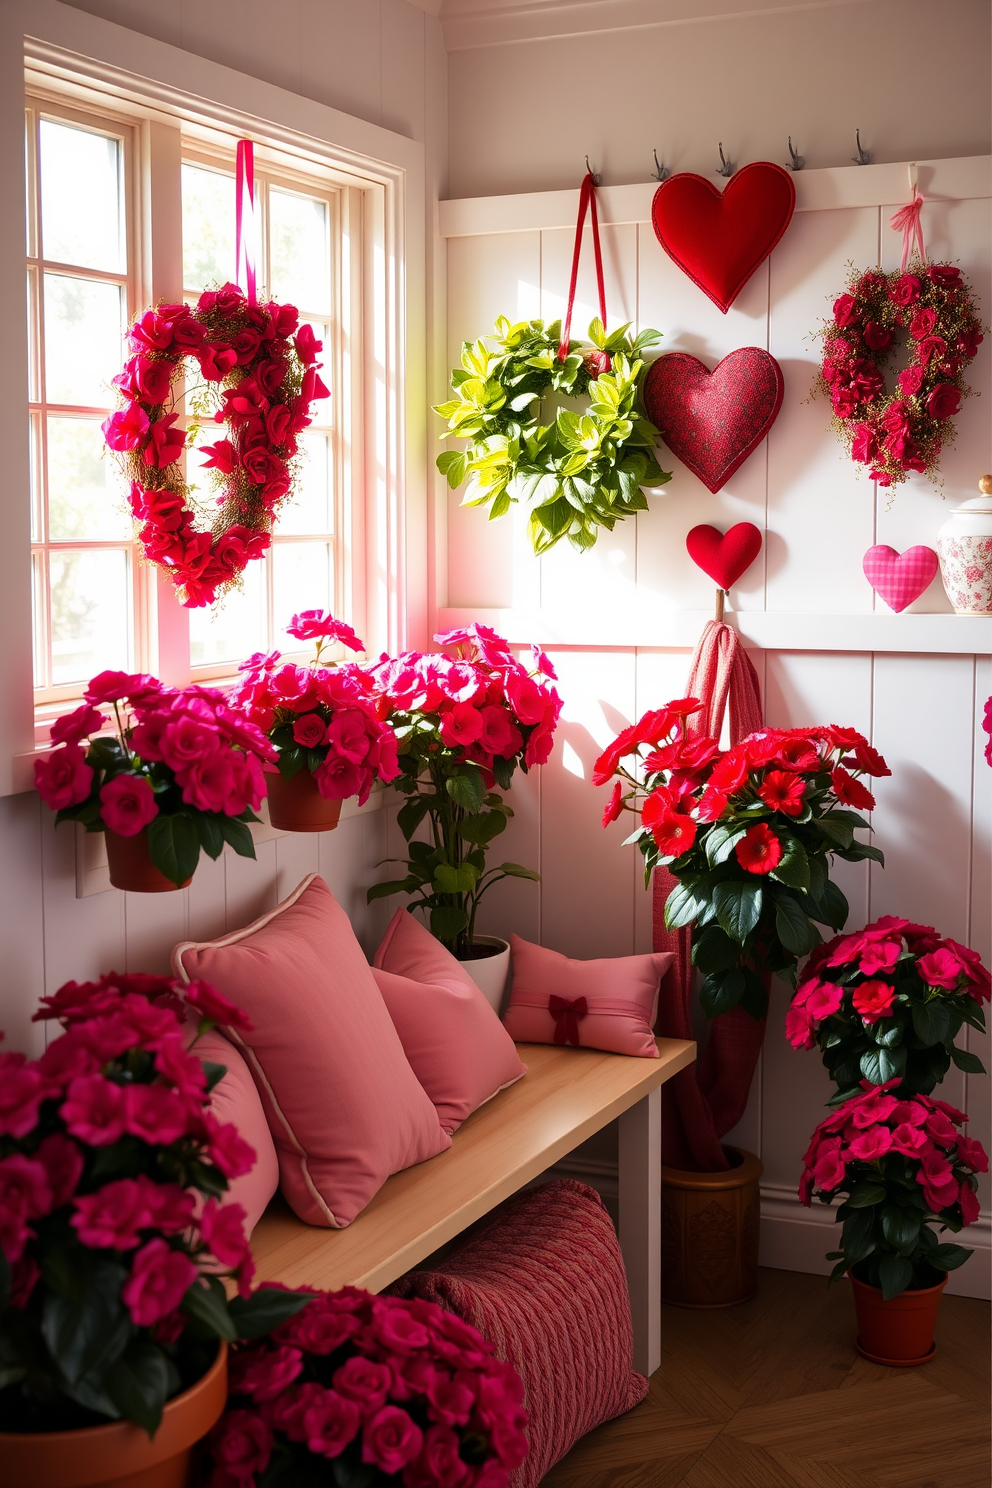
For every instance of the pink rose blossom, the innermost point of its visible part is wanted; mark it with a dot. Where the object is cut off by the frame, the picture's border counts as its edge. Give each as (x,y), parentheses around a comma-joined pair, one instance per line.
(211,1004)
(871,1144)
(241,1444)
(154,1113)
(391,1440)
(223,1230)
(63,1164)
(331,1423)
(24,1187)
(347,735)
(873,1000)
(160,1278)
(127,804)
(365,1382)
(880,956)
(73,727)
(94,1110)
(21,1092)
(266,1374)
(310,730)
(112,1217)
(439,1464)
(824,1001)
(63,778)
(968,1199)
(288,1411)
(227,1148)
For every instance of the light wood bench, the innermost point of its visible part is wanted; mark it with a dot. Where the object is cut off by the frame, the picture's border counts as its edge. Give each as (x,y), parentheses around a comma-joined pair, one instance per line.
(566,1096)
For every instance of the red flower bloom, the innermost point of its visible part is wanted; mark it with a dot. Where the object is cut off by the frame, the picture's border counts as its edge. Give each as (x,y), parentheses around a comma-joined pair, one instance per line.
(614,806)
(850,791)
(759,850)
(63,778)
(783,792)
(160,1278)
(672,831)
(127,804)
(873,1000)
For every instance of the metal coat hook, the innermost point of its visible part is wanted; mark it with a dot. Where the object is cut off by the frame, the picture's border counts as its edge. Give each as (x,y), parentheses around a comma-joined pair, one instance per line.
(660,172)
(914,181)
(591,172)
(726,166)
(863,156)
(797,161)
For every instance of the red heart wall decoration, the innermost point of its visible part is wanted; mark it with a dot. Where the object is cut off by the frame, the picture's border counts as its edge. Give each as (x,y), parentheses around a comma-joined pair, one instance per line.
(713,420)
(899,577)
(724,556)
(720,238)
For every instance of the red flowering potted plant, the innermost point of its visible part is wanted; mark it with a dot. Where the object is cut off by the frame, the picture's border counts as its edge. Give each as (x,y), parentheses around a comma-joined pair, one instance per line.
(887,1003)
(182,772)
(747,834)
(321,721)
(113,1309)
(902,1164)
(464,723)
(363,1390)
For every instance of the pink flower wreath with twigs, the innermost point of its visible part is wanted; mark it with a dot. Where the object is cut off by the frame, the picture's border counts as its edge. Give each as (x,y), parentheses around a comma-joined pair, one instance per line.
(267,378)
(905,430)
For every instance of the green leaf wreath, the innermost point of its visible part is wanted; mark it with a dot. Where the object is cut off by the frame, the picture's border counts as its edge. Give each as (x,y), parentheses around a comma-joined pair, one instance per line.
(582,471)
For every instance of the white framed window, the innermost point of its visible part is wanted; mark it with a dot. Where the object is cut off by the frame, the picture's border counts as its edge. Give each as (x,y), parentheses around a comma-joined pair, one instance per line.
(92,251)
(379,522)
(82,290)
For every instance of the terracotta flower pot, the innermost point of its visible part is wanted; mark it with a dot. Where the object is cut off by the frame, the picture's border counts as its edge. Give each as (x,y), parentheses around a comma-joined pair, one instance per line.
(296,805)
(490,970)
(709,1233)
(898,1332)
(131,866)
(119,1455)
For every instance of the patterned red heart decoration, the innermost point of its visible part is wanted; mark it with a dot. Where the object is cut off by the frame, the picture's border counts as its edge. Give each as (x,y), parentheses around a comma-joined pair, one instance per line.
(899,578)
(713,420)
(720,238)
(724,556)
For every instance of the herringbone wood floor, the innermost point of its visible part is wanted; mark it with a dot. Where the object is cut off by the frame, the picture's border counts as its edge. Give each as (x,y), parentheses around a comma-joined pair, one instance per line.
(771,1394)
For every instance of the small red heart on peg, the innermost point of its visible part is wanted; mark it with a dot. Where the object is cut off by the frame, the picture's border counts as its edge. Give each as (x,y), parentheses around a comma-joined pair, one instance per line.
(724,556)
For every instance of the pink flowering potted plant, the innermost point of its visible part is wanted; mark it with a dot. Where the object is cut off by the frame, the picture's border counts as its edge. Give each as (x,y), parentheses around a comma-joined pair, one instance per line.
(888,1003)
(322,723)
(182,771)
(115,1242)
(901,1164)
(358,1391)
(465,721)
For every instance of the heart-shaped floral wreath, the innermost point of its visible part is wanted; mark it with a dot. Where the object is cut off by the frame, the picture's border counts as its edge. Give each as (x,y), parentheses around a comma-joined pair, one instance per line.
(264,366)
(905,430)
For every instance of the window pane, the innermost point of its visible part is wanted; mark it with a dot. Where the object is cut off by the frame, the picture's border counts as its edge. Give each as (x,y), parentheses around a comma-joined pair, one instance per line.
(90,619)
(301,580)
(234,627)
(300,268)
(33,392)
(85,492)
(35,459)
(84,348)
(208,228)
(38,612)
(310,509)
(82,201)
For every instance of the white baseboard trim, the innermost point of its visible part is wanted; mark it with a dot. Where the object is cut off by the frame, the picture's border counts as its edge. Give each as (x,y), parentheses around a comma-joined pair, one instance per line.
(795,1239)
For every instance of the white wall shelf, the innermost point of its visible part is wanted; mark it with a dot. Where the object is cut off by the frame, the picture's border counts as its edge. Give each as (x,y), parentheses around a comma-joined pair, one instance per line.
(655,629)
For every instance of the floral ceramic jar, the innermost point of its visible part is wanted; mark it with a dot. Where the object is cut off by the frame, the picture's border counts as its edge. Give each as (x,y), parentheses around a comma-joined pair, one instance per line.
(964,546)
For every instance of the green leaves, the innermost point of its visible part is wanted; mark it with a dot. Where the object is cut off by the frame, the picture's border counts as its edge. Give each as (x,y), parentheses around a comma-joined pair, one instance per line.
(466,788)
(931,1021)
(207,1303)
(948,1257)
(582,471)
(895,1274)
(794,927)
(683,906)
(140,1382)
(174,845)
(793,867)
(264,1310)
(965,1060)
(738,907)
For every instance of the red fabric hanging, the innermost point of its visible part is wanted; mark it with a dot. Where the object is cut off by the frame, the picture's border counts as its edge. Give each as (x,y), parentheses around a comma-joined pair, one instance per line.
(702,1103)
(587,201)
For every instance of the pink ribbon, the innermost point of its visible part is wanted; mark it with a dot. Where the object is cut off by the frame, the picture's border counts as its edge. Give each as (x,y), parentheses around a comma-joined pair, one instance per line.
(907,221)
(245,219)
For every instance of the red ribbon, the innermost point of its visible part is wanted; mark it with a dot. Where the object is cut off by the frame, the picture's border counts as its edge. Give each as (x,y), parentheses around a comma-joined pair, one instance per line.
(566,1014)
(907,221)
(587,200)
(245,218)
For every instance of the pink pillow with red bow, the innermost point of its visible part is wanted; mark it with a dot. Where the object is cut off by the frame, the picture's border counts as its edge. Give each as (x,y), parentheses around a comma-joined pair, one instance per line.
(342,1103)
(606,1004)
(458,1049)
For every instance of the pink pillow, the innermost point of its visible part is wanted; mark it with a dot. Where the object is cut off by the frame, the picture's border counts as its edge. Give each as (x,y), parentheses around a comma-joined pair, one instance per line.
(460,1051)
(609,1004)
(339,1095)
(234,1099)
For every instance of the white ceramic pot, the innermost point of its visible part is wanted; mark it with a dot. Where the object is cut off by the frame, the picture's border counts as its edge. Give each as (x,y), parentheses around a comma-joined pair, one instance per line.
(489,973)
(964,547)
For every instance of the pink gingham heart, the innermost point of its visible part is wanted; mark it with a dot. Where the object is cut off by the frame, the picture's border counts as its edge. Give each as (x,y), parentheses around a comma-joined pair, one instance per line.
(899,577)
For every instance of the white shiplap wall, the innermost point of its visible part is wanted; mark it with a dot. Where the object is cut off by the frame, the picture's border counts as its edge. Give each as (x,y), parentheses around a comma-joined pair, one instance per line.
(621,620)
